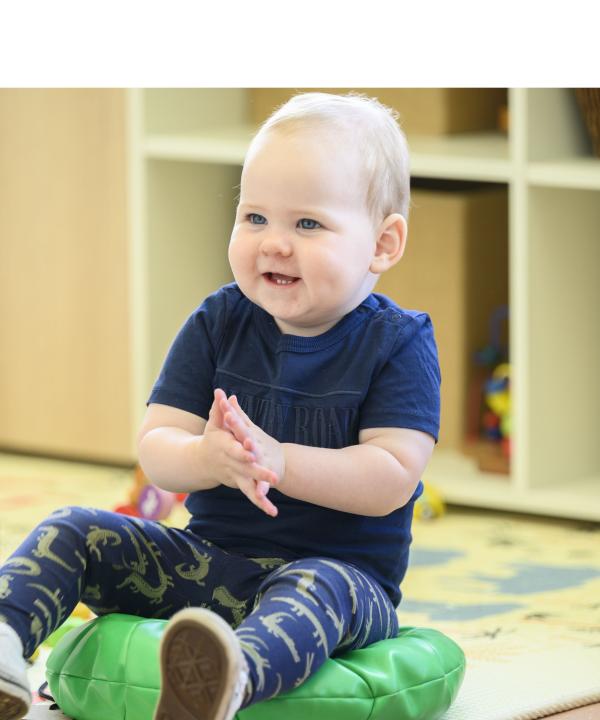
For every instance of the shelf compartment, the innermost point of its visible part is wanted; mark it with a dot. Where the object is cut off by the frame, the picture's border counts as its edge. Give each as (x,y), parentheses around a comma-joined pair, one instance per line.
(178,111)
(426,111)
(460,483)
(563,337)
(555,126)
(190,212)
(456,269)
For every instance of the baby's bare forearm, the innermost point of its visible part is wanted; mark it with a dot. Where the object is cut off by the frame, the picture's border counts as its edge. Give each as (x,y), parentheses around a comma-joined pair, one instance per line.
(173,459)
(360,479)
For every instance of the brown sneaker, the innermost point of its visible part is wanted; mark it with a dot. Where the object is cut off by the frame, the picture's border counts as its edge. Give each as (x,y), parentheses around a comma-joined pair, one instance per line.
(15,700)
(203,670)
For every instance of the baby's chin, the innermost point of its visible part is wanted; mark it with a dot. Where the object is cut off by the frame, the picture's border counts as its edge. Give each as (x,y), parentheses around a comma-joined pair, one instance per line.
(304,328)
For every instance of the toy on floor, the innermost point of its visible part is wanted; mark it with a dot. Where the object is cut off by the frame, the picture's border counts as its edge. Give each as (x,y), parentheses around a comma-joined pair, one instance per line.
(148,501)
(430,504)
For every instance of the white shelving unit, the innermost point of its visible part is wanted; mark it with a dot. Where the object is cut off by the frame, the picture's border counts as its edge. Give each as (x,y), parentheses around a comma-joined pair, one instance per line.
(187,147)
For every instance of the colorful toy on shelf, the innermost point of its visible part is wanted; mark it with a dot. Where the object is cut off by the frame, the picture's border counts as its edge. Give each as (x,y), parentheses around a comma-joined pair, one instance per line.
(488,402)
(497,398)
(494,352)
(479,421)
(148,501)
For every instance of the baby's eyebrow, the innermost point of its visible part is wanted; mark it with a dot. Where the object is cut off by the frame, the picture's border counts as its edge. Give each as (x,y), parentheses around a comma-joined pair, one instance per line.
(251,205)
(303,212)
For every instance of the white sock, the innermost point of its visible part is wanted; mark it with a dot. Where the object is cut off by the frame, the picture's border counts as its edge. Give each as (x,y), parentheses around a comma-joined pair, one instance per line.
(15,695)
(11,636)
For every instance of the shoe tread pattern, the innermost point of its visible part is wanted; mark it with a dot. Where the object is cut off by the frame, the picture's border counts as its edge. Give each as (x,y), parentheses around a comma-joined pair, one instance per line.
(194,667)
(11,708)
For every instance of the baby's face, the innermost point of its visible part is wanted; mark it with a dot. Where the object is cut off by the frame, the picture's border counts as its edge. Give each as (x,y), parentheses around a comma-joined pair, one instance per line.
(303,240)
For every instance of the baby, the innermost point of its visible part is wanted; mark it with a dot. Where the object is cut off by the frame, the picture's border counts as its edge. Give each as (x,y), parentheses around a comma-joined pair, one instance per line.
(299,410)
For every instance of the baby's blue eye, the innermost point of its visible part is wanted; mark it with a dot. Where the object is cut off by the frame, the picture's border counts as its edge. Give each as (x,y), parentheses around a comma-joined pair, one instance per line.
(256,219)
(308,224)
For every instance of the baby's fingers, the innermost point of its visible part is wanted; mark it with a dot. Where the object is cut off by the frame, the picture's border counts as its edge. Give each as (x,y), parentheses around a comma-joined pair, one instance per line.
(249,445)
(236,426)
(262,487)
(234,401)
(264,503)
(239,453)
(219,395)
(216,414)
(268,507)
(252,492)
(263,474)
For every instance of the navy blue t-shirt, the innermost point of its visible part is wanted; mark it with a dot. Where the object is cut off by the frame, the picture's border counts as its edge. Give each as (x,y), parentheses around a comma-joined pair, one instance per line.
(377,367)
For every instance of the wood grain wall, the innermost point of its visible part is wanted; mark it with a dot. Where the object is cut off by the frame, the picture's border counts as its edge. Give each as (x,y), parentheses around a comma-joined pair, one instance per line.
(64,317)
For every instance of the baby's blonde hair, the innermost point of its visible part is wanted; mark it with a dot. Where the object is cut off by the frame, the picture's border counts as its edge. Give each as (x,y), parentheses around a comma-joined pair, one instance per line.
(374,131)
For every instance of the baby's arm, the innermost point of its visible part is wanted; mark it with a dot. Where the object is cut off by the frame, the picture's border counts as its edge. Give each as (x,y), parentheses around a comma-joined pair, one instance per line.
(183,452)
(374,477)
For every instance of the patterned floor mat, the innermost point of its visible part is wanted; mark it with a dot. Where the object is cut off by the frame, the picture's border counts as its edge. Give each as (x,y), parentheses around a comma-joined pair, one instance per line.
(520,594)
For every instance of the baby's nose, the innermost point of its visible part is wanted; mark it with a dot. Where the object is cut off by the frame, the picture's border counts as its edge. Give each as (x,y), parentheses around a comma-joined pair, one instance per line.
(277,243)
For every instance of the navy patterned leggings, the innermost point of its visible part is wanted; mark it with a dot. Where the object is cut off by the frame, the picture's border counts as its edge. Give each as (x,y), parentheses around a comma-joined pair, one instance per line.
(288,616)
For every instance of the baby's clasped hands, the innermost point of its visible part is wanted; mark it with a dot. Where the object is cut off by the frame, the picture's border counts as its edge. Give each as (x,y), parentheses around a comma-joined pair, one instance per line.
(249,459)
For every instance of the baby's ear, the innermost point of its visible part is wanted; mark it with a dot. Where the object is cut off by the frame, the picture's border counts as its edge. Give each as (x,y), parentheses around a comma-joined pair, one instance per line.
(391,241)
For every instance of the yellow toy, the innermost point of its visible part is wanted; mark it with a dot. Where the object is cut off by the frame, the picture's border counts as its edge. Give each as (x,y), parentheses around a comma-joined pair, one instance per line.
(80,615)
(430,505)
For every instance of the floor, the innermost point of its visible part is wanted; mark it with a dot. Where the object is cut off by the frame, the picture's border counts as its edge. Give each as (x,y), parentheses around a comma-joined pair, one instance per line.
(589,712)
(30,488)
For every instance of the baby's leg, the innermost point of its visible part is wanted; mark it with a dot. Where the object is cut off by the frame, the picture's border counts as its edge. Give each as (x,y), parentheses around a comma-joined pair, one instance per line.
(305,612)
(113,563)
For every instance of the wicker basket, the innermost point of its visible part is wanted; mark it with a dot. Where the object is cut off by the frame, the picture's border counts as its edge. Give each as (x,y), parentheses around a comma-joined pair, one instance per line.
(589,102)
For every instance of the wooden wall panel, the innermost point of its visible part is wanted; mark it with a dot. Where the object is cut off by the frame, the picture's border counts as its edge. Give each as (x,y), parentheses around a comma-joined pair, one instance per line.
(64,317)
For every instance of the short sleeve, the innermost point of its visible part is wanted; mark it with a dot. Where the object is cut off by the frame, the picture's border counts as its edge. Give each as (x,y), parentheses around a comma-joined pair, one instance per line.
(405,393)
(186,378)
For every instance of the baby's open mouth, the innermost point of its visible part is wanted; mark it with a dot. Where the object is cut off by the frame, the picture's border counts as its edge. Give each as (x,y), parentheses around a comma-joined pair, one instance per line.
(278,279)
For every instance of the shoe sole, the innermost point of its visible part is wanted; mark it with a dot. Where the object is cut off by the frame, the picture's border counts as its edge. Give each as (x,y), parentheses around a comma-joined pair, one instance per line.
(199,665)
(14,701)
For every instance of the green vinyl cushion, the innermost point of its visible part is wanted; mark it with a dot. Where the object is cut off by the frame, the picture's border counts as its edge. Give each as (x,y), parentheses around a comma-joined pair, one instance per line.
(109,668)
